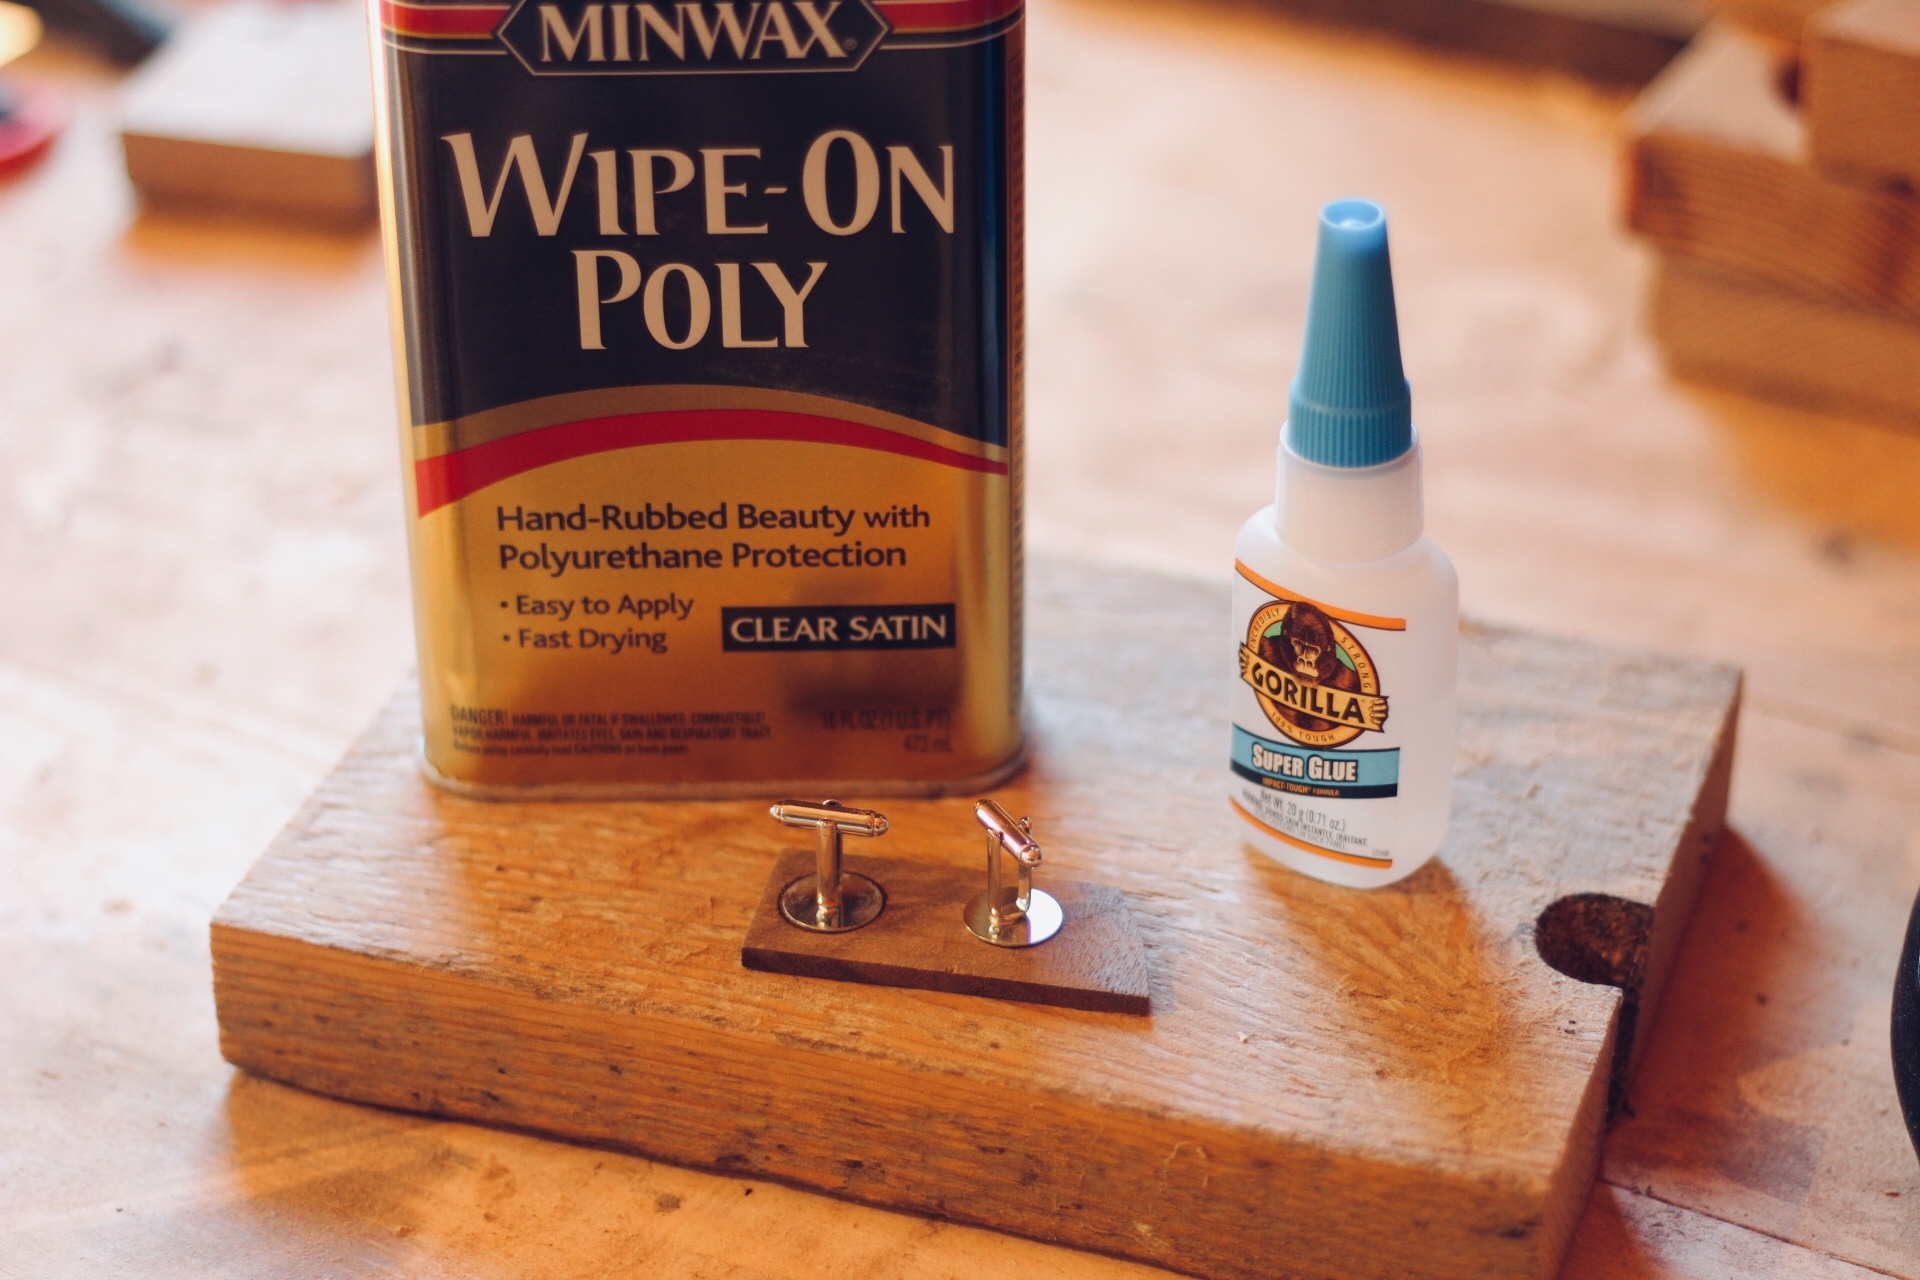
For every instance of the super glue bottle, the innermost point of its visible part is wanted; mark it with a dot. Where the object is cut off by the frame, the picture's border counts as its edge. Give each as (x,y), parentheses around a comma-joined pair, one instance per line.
(1346,618)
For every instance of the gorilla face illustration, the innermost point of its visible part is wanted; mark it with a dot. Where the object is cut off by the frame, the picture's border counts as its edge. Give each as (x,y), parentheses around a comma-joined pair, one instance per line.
(1309,637)
(1305,647)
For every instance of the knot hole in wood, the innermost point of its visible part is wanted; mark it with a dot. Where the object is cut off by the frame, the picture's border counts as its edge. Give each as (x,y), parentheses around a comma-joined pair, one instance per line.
(1598,938)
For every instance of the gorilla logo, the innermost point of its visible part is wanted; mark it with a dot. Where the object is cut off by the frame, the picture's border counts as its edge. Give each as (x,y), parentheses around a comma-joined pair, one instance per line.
(1305,639)
(1315,681)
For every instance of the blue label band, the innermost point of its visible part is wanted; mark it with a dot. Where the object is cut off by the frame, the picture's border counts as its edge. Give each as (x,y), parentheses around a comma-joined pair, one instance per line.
(1338,775)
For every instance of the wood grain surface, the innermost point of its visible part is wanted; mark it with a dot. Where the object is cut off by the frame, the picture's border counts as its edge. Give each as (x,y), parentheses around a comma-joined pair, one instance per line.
(204,601)
(1754,336)
(1327,1074)
(1719,171)
(1096,962)
(1860,90)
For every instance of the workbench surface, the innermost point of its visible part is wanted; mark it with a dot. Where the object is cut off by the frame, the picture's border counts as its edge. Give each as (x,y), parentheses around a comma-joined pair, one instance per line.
(205,600)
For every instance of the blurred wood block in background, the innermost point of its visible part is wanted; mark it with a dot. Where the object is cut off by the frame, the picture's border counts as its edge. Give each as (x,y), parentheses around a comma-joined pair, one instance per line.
(1347,1084)
(1716,326)
(1610,41)
(258,109)
(1860,89)
(1718,171)
(1782,21)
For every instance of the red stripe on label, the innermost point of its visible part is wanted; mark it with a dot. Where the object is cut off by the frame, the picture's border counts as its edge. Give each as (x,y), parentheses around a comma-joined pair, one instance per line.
(453,476)
(910,17)
(467,21)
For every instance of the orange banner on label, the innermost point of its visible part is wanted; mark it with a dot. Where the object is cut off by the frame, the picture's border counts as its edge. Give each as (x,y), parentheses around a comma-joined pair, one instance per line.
(1279,592)
(452,476)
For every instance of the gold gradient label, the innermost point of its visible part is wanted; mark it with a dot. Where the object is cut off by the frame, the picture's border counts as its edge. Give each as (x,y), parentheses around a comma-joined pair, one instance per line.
(575,613)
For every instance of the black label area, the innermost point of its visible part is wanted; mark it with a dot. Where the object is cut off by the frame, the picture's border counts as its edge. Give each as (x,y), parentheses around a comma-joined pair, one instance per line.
(843,229)
(796,628)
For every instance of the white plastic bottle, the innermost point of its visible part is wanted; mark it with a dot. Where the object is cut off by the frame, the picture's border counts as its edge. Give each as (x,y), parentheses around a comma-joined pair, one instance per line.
(1346,618)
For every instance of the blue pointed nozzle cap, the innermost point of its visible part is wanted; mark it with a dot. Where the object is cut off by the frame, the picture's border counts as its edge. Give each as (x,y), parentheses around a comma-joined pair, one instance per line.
(1350,405)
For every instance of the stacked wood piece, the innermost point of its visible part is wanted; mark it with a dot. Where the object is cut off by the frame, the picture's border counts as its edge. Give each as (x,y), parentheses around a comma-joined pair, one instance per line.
(1781,20)
(1861,90)
(257,108)
(1789,238)
(1623,42)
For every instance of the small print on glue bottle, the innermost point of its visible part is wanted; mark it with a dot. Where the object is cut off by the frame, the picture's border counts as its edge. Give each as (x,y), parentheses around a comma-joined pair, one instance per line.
(1346,618)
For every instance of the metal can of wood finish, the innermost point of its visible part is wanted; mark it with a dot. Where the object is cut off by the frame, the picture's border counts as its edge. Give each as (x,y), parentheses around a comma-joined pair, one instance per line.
(709,330)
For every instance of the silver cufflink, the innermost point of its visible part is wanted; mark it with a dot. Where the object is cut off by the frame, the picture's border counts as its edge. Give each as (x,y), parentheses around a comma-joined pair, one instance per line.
(835,900)
(1011,917)
(831,900)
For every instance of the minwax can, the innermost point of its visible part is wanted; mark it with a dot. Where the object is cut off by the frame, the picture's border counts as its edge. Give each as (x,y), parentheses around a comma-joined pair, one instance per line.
(709,318)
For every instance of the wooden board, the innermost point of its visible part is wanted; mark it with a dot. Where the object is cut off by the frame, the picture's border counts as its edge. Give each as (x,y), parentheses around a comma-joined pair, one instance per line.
(1387,1083)
(1755,337)
(1718,171)
(258,108)
(1782,21)
(1860,90)
(1096,962)
(1616,42)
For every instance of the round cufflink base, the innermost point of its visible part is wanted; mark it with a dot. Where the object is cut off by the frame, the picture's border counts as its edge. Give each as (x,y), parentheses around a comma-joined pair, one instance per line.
(1042,920)
(861,901)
